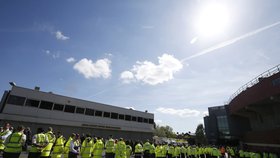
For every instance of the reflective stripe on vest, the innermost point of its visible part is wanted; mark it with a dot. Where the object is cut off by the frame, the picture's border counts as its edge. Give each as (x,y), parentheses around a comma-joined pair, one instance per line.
(87,147)
(67,147)
(47,150)
(98,148)
(41,140)
(14,143)
(110,146)
(58,147)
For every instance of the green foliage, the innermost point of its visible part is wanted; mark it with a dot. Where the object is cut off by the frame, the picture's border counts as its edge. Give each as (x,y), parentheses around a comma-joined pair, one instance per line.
(164,131)
(200,138)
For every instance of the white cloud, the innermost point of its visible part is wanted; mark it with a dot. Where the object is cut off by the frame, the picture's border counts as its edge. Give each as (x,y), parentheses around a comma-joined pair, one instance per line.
(179,112)
(205,113)
(101,68)
(60,36)
(158,121)
(127,77)
(151,73)
(70,60)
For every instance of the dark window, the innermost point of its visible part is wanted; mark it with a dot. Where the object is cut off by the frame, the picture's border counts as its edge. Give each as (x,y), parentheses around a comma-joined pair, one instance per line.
(16,100)
(80,110)
(106,114)
(58,107)
(121,116)
(140,119)
(145,120)
(127,117)
(151,121)
(32,103)
(114,115)
(69,108)
(134,118)
(89,112)
(98,113)
(46,105)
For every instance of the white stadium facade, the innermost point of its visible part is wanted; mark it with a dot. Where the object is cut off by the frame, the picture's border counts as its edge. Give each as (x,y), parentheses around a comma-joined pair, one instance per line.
(34,108)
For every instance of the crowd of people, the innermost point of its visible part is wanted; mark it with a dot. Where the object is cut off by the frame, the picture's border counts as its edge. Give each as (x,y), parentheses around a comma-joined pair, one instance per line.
(47,144)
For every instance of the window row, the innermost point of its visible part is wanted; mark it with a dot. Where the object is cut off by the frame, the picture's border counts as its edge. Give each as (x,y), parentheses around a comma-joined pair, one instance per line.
(17,100)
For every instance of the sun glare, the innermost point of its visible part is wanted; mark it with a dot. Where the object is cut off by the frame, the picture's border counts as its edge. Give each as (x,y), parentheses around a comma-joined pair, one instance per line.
(211,20)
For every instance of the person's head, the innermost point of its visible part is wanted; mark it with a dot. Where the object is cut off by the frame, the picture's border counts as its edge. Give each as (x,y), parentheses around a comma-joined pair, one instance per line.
(73,135)
(6,126)
(11,128)
(20,128)
(27,129)
(40,130)
(77,136)
(50,129)
(58,134)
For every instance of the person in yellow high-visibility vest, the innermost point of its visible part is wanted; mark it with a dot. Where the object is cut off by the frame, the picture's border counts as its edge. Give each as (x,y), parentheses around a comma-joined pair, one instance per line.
(47,150)
(87,147)
(58,146)
(159,151)
(98,148)
(39,142)
(120,149)
(110,148)
(14,143)
(138,151)
(128,150)
(170,150)
(74,148)
(183,151)
(146,148)
(67,145)
(152,151)
(177,151)
(4,135)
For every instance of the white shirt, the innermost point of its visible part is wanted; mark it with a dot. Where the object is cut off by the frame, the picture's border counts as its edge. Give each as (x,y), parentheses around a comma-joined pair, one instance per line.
(4,137)
(72,147)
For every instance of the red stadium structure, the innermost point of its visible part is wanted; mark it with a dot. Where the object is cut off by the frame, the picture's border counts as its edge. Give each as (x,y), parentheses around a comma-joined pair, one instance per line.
(259,102)
(252,116)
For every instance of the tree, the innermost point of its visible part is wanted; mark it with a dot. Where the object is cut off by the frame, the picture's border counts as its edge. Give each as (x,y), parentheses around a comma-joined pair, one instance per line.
(164,131)
(200,138)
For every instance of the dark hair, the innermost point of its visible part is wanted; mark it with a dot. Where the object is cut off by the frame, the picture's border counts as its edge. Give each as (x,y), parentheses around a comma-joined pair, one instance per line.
(40,130)
(20,128)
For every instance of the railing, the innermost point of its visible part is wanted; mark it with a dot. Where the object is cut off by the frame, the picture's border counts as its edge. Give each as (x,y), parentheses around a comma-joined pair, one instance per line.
(256,80)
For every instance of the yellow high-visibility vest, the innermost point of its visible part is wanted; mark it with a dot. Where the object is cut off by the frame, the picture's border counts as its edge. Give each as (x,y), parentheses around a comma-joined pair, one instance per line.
(14,144)
(41,140)
(47,150)
(87,148)
(58,147)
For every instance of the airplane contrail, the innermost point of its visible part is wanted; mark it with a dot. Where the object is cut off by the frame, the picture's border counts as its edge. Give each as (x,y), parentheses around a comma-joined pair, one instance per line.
(229,42)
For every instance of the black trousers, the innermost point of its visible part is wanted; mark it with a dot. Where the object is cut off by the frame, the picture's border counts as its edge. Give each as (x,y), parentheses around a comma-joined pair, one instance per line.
(72,155)
(138,155)
(146,154)
(153,155)
(34,155)
(109,155)
(11,155)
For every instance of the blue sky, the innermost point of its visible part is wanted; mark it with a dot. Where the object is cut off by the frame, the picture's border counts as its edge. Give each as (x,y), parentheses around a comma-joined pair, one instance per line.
(160,56)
